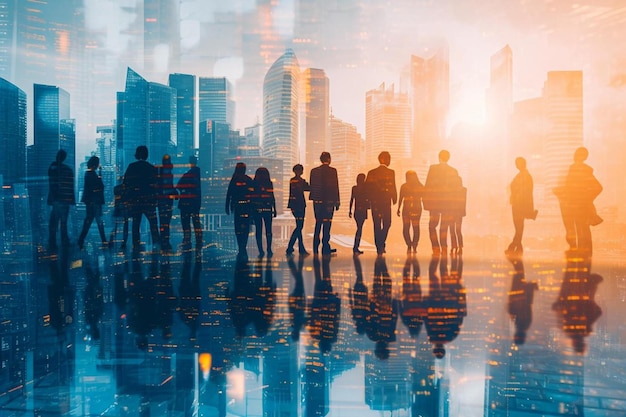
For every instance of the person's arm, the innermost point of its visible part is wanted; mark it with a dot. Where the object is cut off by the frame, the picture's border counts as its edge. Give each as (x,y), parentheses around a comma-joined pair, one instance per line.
(400,200)
(229,196)
(351,201)
(273,198)
(336,185)
(394,191)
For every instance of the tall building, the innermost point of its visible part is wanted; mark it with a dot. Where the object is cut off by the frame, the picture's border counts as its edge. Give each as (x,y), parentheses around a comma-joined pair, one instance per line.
(430,98)
(147,112)
(500,92)
(316,103)
(12,132)
(280,113)
(161,36)
(185,86)
(7,23)
(252,144)
(214,148)
(387,124)
(215,100)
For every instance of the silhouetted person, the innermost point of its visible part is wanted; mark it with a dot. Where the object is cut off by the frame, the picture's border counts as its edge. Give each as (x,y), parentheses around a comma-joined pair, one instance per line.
(411,193)
(360,199)
(264,204)
(457,212)
(241,295)
(297,301)
(576,198)
(438,200)
(325,196)
(412,306)
(359,299)
(190,200)
(141,190)
(446,303)
(381,185)
(141,310)
(520,305)
(93,197)
(238,200)
(576,307)
(190,296)
(120,215)
(383,315)
(60,197)
(297,204)
(165,299)
(325,307)
(522,204)
(167,195)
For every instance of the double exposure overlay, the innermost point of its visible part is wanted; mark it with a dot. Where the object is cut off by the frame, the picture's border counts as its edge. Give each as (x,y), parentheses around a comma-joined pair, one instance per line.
(312,208)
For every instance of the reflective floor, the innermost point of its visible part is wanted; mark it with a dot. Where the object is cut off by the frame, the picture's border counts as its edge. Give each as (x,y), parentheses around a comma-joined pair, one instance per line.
(100,333)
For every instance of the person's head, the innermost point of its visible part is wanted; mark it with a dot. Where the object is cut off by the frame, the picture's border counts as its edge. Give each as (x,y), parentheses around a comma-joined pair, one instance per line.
(240,169)
(411,176)
(325,157)
(520,163)
(166,160)
(262,175)
(298,169)
(444,156)
(141,153)
(61,155)
(384,158)
(193,160)
(581,154)
(93,163)
(360,179)
(439,351)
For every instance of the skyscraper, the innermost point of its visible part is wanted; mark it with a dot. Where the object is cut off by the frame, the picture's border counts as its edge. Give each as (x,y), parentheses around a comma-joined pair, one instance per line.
(280,112)
(12,132)
(215,100)
(430,91)
(500,92)
(316,91)
(185,86)
(161,36)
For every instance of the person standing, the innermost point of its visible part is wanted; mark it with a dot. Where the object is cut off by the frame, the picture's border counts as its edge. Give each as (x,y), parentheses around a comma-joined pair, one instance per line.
(297,204)
(120,215)
(93,197)
(167,195)
(361,204)
(190,200)
(381,183)
(265,205)
(141,189)
(325,196)
(411,195)
(60,197)
(457,212)
(238,198)
(438,200)
(522,204)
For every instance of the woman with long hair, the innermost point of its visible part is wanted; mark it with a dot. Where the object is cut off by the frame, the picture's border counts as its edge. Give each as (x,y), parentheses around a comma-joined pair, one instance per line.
(265,209)
(238,198)
(411,194)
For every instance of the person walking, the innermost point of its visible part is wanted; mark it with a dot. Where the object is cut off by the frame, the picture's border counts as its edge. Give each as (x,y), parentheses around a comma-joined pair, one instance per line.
(60,197)
(360,200)
(522,204)
(141,189)
(93,197)
(381,183)
(297,204)
(411,195)
(120,215)
(190,200)
(325,196)
(265,209)
(165,203)
(457,212)
(238,199)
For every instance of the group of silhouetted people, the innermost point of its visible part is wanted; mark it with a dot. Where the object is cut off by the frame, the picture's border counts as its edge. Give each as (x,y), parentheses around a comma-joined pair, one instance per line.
(144,190)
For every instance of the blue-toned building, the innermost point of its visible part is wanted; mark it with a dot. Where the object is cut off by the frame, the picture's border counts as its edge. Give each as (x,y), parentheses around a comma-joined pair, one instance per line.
(185,86)
(215,100)
(12,132)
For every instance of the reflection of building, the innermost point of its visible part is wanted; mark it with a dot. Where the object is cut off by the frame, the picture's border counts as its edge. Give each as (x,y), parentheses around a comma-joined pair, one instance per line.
(12,132)
(185,86)
(387,382)
(315,88)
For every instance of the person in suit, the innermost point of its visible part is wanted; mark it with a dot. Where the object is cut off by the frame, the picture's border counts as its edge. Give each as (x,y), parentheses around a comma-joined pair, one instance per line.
(325,196)
(439,186)
(167,195)
(381,183)
(238,201)
(189,204)
(361,204)
(297,204)
(522,204)
(141,188)
(93,197)
(60,197)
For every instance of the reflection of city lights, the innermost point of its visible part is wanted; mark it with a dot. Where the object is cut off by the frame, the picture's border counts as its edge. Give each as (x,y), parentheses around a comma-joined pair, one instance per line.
(236,382)
(205,360)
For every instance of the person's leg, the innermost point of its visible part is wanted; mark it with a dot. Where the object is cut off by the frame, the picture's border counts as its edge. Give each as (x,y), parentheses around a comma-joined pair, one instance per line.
(154,227)
(377,223)
(433,222)
(165,218)
(327,223)
(89,216)
(319,219)
(299,226)
(197,227)
(385,225)
(453,236)
(125,232)
(415,222)
(267,219)
(294,235)
(52,225)
(258,232)
(446,221)
(359,232)
(137,215)
(185,220)
(406,233)
(583,232)
(64,213)
(100,222)
(459,235)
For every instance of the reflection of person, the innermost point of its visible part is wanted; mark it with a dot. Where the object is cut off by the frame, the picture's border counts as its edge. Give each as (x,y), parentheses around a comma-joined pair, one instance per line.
(412,309)
(359,301)
(439,183)
(167,195)
(297,302)
(297,204)
(93,299)
(576,307)
(520,303)
(522,204)
(411,195)
(383,315)
(325,196)
(190,296)
(60,197)
(382,193)
(238,197)
(264,300)
(325,307)
(190,191)
(140,187)
(265,209)
(361,203)
(457,212)
(576,198)
(93,197)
